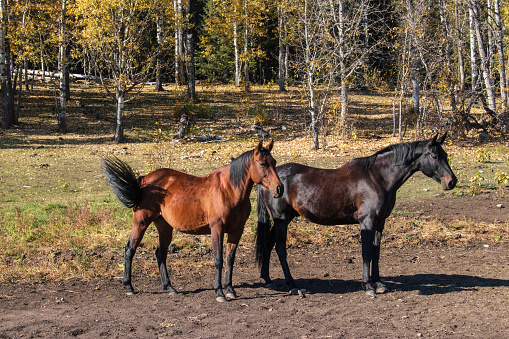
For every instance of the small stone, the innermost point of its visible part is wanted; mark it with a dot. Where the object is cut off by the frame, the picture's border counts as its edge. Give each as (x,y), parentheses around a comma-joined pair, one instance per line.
(500,206)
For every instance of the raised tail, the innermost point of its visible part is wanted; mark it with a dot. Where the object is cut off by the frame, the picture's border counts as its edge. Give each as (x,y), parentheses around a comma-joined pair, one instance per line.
(263,228)
(121,177)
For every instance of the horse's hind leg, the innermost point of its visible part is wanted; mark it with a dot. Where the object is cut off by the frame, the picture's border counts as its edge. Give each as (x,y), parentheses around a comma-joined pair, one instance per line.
(281,229)
(265,267)
(141,221)
(165,235)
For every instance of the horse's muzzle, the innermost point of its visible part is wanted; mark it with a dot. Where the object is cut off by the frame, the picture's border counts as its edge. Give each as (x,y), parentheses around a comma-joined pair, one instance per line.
(449,182)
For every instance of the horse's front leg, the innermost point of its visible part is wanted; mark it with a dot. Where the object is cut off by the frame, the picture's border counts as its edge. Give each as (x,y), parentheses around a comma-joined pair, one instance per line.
(233,241)
(217,236)
(367,238)
(380,288)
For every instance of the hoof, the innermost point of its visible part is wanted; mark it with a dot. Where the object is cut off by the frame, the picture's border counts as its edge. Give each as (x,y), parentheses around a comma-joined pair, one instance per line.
(301,293)
(381,290)
(129,293)
(271,286)
(221,299)
(371,293)
(231,295)
(172,293)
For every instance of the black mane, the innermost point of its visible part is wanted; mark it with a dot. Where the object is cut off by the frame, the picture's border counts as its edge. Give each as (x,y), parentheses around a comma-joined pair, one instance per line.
(238,167)
(403,153)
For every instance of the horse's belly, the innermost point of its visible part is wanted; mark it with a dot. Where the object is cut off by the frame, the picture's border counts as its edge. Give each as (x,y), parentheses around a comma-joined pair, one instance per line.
(323,215)
(187,220)
(332,220)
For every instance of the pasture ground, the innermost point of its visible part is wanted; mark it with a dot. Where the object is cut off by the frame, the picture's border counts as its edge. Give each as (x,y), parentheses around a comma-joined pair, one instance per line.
(436,292)
(444,255)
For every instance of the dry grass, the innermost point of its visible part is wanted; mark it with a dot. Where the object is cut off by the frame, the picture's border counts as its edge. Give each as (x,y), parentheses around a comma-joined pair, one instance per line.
(60,219)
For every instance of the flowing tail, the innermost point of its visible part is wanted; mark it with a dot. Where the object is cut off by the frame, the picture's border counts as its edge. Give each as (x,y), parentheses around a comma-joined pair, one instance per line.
(263,229)
(121,177)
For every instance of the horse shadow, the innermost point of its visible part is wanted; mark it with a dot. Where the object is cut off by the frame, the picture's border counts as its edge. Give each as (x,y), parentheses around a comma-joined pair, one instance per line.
(424,284)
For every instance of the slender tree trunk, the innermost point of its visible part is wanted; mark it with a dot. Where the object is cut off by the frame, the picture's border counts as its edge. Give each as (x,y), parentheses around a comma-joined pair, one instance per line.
(5,74)
(459,41)
(20,92)
(342,72)
(191,79)
(189,45)
(310,81)
(501,58)
(473,53)
(179,49)
(246,44)
(62,63)
(119,125)
(236,51)
(482,54)
(159,37)
(281,57)
(25,67)
(448,50)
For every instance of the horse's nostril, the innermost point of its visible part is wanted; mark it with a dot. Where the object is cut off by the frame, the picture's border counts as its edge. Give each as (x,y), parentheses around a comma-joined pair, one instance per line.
(452,183)
(280,189)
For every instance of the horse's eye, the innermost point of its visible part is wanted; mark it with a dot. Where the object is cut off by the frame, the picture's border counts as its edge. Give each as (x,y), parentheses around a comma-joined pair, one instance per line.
(433,156)
(264,164)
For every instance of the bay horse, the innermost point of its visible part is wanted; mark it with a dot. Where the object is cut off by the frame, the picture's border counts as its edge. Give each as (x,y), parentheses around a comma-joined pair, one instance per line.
(215,204)
(363,191)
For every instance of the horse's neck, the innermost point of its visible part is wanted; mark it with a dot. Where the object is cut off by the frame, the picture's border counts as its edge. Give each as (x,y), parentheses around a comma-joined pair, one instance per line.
(395,174)
(242,190)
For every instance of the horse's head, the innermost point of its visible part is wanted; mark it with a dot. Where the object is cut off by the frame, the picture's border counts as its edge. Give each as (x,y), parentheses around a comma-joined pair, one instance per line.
(263,170)
(434,163)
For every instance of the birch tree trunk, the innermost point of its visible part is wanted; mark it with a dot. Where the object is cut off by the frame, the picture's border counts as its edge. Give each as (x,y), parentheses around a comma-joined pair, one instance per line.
(236,51)
(159,37)
(482,54)
(281,57)
(473,53)
(448,50)
(246,57)
(62,65)
(119,125)
(310,81)
(179,49)
(500,49)
(459,46)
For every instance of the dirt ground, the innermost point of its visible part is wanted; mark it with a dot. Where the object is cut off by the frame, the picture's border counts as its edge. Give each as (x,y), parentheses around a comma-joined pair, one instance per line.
(435,292)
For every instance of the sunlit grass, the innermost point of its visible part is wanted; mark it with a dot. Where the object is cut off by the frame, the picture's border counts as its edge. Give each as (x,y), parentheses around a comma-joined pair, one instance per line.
(59,218)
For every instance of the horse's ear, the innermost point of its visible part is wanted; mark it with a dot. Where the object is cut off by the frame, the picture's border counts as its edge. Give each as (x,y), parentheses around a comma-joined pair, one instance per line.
(270,145)
(434,140)
(259,147)
(440,141)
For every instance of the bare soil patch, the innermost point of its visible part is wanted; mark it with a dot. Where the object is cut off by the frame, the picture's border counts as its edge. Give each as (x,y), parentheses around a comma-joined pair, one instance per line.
(436,292)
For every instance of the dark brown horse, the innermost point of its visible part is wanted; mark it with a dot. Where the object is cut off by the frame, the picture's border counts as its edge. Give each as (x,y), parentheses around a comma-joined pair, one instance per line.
(215,204)
(363,191)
